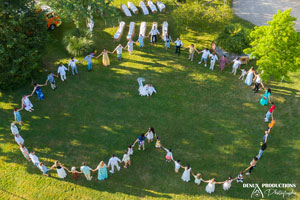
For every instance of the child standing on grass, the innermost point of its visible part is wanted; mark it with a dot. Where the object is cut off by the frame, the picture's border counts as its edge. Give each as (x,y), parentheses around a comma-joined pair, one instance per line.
(126,159)
(141,140)
(169,156)
(227,183)
(141,40)
(213,59)
(130,46)
(119,49)
(205,54)
(252,165)
(157,144)
(177,165)
(51,79)
(25,152)
(198,178)
(240,178)
(14,129)
(270,112)
(17,116)
(192,50)
(75,173)
(244,72)
(130,150)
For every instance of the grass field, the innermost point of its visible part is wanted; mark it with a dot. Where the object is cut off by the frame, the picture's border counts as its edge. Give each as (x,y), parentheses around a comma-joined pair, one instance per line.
(210,120)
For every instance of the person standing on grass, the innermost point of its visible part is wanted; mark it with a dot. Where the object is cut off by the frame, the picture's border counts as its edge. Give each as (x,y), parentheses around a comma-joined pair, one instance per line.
(114,162)
(14,129)
(119,49)
(72,64)
(252,165)
(205,54)
(35,160)
(17,116)
(126,159)
(130,46)
(178,44)
(249,77)
(88,59)
(236,64)
(169,156)
(105,58)
(19,140)
(213,59)
(198,178)
(192,50)
(25,152)
(154,32)
(177,165)
(141,140)
(102,171)
(44,169)
(75,173)
(266,97)
(168,41)
(141,40)
(150,134)
(51,79)
(223,61)
(258,82)
(270,112)
(86,171)
(186,176)
(60,169)
(26,103)
(37,89)
(261,150)
(62,71)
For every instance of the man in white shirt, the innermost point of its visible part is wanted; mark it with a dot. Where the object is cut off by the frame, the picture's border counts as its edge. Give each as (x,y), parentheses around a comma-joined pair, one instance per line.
(236,65)
(72,63)
(19,139)
(14,129)
(62,71)
(119,49)
(153,34)
(35,160)
(178,46)
(205,54)
(213,59)
(114,162)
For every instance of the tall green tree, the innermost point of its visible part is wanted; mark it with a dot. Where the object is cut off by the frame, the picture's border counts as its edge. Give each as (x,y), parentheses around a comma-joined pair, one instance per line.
(276,46)
(23,34)
(77,11)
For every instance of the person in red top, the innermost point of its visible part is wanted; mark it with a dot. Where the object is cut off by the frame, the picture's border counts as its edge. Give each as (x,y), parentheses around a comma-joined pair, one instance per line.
(270,112)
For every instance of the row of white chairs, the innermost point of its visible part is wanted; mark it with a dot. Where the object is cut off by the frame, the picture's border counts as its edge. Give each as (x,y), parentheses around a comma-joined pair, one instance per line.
(143,27)
(161,7)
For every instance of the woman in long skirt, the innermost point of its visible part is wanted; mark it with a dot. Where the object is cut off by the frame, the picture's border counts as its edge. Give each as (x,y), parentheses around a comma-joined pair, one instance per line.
(102,171)
(249,77)
(26,103)
(105,58)
(60,169)
(37,89)
(266,98)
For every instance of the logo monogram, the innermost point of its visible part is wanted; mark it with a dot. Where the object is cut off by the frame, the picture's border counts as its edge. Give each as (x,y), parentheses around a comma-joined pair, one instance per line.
(257,193)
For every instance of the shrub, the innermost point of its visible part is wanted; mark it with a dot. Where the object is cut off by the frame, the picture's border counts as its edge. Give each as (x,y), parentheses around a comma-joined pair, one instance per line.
(78,44)
(22,37)
(234,38)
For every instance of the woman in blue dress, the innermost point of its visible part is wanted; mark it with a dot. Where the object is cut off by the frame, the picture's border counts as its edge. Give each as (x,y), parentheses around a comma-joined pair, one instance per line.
(167,41)
(102,171)
(266,98)
(37,89)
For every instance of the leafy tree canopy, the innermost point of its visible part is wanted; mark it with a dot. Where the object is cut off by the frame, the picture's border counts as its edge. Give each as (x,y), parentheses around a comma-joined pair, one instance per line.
(276,46)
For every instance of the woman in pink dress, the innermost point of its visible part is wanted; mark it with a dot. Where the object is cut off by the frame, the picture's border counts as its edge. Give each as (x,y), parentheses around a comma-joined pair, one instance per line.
(223,62)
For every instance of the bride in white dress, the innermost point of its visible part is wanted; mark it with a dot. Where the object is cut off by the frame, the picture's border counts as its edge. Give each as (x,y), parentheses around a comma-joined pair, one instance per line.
(227,183)
(145,90)
(60,169)
(186,176)
(26,103)
(249,77)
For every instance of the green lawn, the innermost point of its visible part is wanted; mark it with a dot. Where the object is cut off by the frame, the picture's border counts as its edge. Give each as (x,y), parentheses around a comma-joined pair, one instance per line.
(210,120)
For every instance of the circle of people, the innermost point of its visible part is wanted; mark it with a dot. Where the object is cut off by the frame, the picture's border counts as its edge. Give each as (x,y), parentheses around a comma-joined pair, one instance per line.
(150,135)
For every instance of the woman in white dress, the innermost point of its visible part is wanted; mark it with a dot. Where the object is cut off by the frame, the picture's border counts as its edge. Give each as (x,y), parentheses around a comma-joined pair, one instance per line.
(145,90)
(26,103)
(60,169)
(130,46)
(249,77)
(186,176)
(150,134)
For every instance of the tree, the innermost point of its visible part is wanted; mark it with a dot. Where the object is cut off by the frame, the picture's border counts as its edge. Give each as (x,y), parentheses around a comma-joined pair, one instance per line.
(23,34)
(77,11)
(276,46)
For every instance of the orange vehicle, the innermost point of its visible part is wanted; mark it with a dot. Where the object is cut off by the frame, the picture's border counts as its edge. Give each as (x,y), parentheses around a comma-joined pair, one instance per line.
(52,18)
